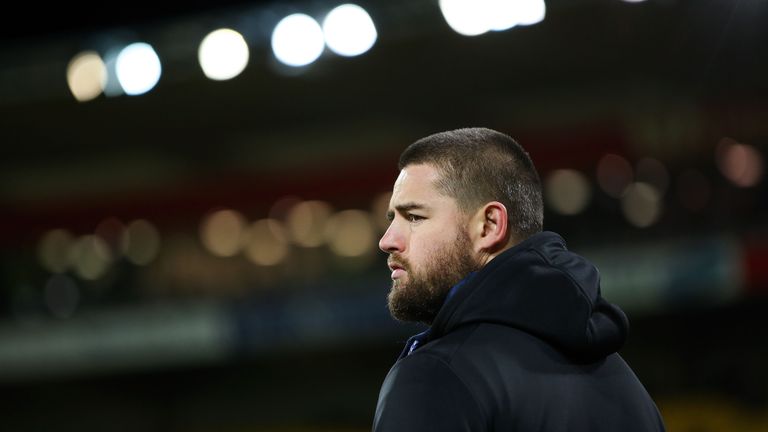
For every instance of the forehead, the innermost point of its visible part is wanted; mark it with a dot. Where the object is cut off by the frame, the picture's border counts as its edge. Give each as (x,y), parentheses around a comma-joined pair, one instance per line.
(415,176)
(417,183)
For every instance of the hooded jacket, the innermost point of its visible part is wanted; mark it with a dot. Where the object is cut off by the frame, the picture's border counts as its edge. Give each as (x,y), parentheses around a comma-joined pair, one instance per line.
(527,343)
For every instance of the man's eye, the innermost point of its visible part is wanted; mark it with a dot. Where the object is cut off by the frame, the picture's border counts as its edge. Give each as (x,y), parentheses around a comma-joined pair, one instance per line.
(414,218)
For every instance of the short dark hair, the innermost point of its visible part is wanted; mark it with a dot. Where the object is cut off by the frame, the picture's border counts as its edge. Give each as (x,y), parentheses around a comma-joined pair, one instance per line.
(479,165)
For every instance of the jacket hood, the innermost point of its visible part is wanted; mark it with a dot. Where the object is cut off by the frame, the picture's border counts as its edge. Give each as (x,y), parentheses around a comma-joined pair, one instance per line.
(540,287)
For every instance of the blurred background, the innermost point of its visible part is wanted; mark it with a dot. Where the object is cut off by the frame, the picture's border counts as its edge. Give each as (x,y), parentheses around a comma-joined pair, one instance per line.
(191,196)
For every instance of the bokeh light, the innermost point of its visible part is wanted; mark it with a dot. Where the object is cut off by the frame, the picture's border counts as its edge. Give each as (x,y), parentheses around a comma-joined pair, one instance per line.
(53,250)
(641,204)
(86,76)
(223,54)
(307,221)
(297,40)
(740,163)
(90,257)
(475,17)
(614,174)
(141,242)
(465,17)
(567,191)
(350,233)
(267,242)
(223,232)
(138,68)
(528,12)
(349,30)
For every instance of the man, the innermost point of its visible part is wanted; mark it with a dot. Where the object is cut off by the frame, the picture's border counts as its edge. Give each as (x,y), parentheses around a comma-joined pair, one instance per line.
(520,338)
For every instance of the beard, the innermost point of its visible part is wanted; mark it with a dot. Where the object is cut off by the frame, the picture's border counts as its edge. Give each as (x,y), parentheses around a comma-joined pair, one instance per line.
(420,298)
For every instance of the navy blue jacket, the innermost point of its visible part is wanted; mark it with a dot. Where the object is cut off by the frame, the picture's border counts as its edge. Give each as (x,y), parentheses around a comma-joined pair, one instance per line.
(525,344)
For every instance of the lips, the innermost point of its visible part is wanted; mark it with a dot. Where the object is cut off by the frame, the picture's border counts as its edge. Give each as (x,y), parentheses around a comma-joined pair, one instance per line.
(398,270)
(397,273)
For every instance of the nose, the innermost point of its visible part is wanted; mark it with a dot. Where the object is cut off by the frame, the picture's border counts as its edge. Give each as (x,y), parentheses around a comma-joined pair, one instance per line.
(391,241)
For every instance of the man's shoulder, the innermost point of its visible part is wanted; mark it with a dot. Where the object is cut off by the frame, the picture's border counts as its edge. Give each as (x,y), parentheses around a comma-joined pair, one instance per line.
(486,354)
(423,391)
(436,360)
(449,346)
(480,340)
(421,365)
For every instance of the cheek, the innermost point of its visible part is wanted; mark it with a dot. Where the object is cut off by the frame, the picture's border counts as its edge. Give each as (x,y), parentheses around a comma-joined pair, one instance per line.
(427,249)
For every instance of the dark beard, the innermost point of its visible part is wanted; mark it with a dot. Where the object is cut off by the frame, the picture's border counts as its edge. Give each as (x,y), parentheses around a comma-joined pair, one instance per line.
(422,298)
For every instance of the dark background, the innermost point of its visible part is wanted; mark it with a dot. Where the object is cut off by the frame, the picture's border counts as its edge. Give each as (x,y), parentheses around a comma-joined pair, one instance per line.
(192,341)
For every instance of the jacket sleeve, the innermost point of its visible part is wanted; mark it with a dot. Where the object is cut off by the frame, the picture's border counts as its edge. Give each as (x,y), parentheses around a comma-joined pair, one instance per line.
(422,393)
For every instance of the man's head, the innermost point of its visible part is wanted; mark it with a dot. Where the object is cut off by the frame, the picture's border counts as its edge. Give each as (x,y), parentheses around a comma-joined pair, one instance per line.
(462,197)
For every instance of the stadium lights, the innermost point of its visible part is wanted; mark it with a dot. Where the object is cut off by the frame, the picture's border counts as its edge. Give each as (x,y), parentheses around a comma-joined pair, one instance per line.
(476,17)
(349,30)
(86,76)
(138,68)
(223,54)
(297,40)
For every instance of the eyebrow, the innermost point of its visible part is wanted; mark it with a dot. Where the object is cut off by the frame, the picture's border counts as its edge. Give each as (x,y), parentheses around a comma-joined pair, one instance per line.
(404,208)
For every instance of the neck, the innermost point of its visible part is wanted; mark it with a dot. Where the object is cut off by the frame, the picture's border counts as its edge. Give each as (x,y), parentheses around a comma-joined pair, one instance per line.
(487,256)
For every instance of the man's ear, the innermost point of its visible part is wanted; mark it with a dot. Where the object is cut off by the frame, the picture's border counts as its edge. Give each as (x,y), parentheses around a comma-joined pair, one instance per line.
(490,228)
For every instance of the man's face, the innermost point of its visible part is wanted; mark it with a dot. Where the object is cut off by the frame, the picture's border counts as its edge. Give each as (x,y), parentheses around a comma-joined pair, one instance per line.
(428,245)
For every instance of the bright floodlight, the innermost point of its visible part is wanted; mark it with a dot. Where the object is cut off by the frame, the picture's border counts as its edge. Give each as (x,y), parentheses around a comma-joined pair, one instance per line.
(223,54)
(466,17)
(138,68)
(349,30)
(503,14)
(475,17)
(531,11)
(297,40)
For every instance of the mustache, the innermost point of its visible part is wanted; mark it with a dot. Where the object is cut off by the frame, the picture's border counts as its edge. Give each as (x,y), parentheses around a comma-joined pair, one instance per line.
(395,260)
